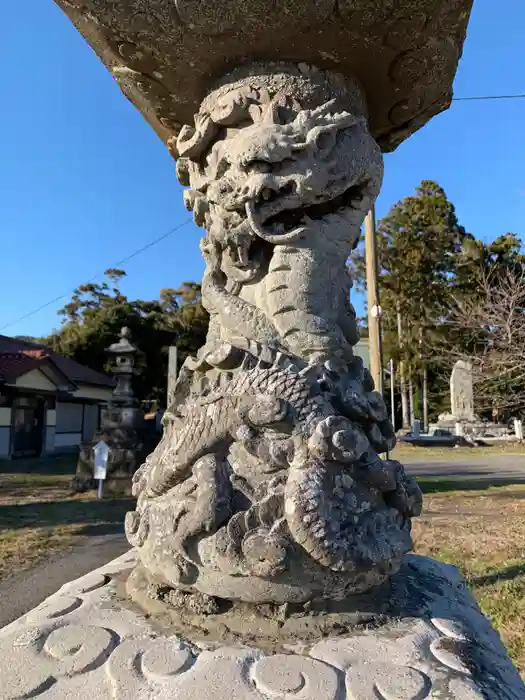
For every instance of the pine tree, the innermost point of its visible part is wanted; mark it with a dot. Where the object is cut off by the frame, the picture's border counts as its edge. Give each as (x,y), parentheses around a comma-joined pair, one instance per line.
(96,313)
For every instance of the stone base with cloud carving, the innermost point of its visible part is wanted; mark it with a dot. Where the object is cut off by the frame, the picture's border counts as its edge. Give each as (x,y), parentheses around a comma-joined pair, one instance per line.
(87,641)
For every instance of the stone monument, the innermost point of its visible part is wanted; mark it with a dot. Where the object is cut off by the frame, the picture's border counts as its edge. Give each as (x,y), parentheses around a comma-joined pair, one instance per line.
(462,419)
(122,426)
(265,517)
(462,392)
(461,397)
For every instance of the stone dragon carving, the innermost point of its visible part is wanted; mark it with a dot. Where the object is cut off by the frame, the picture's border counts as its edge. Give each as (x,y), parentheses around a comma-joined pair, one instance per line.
(267,485)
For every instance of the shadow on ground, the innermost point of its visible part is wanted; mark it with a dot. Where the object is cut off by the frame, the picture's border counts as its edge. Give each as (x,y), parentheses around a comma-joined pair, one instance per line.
(36,493)
(59,465)
(99,517)
(439,485)
(508,573)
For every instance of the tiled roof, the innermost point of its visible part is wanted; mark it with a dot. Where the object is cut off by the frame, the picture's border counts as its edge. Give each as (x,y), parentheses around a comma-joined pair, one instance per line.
(14,365)
(18,357)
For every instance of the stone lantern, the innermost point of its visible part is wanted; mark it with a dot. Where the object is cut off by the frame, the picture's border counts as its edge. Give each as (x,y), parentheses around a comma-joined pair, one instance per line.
(123,411)
(122,427)
(267,489)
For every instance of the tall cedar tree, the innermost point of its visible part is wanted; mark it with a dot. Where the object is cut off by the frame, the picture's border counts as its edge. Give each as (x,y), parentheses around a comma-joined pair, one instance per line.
(418,243)
(431,270)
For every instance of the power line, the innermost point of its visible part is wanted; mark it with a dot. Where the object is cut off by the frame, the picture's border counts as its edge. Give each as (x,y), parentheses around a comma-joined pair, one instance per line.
(473,98)
(116,264)
(489,97)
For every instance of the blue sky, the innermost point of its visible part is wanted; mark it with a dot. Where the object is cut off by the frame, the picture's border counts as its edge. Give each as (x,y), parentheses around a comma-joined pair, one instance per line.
(84,181)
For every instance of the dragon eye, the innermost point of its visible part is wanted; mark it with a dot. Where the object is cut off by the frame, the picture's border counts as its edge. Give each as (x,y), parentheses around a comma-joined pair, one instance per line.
(325,140)
(260,166)
(222,168)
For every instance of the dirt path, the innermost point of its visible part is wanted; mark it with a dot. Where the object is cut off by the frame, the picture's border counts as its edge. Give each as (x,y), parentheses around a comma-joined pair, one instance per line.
(24,591)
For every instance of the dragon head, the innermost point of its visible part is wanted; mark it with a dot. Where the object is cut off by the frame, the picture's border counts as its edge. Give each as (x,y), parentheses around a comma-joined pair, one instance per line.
(263,168)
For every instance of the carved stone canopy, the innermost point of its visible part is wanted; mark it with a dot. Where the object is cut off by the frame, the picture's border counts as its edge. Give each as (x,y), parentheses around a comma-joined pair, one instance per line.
(167,55)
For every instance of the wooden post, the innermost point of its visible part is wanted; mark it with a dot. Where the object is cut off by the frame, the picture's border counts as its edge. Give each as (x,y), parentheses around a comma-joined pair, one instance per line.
(392,394)
(374,309)
(425,399)
(411,397)
(405,421)
(172,374)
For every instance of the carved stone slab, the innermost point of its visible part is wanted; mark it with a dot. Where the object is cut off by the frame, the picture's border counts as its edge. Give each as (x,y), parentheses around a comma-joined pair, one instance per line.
(165,54)
(461,392)
(84,643)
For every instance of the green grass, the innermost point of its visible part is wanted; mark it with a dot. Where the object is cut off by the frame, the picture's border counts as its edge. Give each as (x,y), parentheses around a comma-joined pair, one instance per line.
(40,516)
(407,453)
(482,532)
(60,465)
(434,485)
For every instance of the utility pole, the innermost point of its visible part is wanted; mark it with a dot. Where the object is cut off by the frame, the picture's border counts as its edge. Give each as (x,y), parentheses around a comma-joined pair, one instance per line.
(425,399)
(374,309)
(405,421)
(392,394)
(424,382)
(172,374)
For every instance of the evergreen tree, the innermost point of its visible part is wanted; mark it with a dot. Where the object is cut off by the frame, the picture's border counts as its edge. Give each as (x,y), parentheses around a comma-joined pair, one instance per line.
(418,243)
(96,313)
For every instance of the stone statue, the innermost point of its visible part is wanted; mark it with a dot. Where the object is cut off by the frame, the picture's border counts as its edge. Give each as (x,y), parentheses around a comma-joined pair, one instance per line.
(267,485)
(265,519)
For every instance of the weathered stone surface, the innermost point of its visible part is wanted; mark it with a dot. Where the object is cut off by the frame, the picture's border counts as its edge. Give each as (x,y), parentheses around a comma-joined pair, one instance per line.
(165,54)
(122,428)
(282,675)
(101,649)
(387,681)
(462,392)
(267,486)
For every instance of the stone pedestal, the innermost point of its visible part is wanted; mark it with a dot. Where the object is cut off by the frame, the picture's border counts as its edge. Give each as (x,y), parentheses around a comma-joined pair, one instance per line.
(473,430)
(462,417)
(87,642)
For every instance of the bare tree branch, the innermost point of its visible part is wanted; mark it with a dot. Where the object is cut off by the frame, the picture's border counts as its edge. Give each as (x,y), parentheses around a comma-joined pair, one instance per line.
(488,331)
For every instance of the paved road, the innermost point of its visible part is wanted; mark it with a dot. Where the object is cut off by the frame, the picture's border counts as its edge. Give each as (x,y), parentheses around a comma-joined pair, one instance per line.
(505,468)
(24,591)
